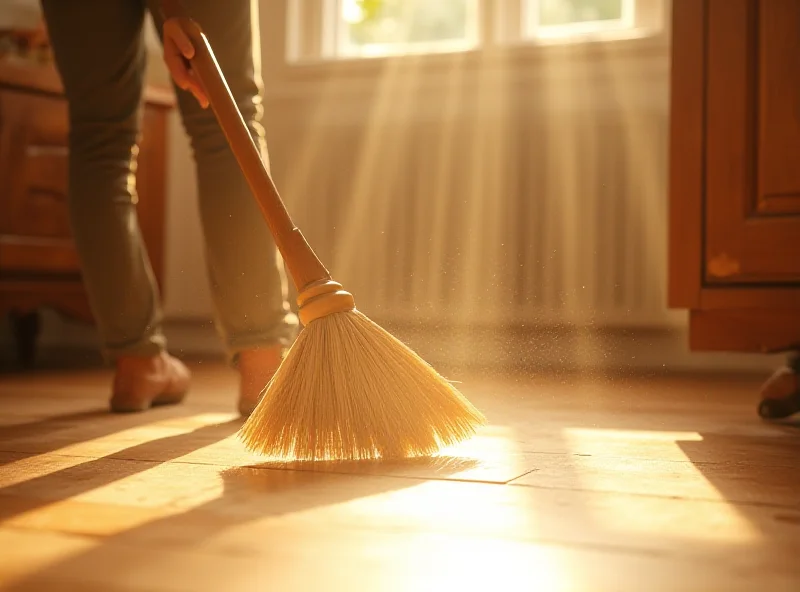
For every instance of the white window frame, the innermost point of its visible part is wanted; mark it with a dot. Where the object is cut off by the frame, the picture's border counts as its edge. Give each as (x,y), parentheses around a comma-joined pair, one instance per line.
(575,31)
(502,24)
(333,39)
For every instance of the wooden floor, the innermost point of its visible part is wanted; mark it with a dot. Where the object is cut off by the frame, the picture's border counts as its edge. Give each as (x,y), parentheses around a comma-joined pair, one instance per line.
(577,484)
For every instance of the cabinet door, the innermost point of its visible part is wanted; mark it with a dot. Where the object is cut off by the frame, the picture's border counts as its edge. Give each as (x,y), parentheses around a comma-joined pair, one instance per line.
(34,223)
(752,202)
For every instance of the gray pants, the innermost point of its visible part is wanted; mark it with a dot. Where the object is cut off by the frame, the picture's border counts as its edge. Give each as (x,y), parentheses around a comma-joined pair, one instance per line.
(100,53)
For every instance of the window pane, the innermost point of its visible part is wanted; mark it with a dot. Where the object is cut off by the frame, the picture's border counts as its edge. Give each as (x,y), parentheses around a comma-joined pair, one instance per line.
(565,12)
(379,27)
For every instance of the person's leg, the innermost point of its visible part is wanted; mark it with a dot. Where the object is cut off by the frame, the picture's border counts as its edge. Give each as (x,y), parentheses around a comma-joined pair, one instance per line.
(100,54)
(248,281)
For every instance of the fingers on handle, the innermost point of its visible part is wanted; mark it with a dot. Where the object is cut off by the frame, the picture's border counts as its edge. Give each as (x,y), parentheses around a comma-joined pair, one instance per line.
(178,50)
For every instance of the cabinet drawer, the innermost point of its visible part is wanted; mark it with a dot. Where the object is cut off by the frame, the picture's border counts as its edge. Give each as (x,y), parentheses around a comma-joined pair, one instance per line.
(33,165)
(24,255)
(34,221)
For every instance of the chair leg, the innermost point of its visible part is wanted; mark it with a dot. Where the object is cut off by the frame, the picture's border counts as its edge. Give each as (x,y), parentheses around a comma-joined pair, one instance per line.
(26,328)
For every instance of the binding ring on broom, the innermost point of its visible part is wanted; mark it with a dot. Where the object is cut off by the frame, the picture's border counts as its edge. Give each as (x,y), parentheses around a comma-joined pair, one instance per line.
(322,298)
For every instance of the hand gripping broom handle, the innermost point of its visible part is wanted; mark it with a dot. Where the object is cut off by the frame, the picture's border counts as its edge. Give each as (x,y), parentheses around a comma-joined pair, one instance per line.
(301,261)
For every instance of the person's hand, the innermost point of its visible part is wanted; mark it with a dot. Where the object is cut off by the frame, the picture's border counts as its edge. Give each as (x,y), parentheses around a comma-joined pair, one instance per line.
(178,50)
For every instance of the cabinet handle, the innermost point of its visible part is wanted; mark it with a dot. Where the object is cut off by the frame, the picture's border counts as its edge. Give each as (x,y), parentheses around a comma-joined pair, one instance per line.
(723,265)
(37,150)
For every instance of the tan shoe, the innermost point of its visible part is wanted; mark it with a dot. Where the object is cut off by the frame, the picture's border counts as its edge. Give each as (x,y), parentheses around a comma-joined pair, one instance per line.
(143,382)
(256,368)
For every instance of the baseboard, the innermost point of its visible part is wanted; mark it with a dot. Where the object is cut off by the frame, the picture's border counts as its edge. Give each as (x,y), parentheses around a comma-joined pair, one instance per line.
(64,343)
(558,349)
(550,349)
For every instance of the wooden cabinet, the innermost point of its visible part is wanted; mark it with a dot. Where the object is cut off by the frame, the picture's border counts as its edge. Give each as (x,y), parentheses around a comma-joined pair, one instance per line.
(735,173)
(39,266)
(34,229)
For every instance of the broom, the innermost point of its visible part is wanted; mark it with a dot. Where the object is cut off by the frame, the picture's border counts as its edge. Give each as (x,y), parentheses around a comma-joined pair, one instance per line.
(346,389)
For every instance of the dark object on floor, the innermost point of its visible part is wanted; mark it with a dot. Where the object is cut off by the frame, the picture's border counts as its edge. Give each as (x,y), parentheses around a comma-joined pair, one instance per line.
(25,328)
(784,379)
(779,408)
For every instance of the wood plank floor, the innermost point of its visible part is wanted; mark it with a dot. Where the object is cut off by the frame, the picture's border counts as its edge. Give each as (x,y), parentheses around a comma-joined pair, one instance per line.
(576,484)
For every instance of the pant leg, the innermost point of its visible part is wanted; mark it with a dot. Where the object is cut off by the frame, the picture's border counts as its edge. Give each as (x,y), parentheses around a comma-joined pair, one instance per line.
(100,53)
(248,281)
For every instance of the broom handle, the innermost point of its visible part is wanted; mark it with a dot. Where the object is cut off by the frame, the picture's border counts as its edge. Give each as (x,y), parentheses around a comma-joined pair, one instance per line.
(303,264)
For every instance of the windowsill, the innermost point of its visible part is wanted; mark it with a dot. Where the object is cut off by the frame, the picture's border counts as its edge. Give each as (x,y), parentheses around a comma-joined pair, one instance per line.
(522,56)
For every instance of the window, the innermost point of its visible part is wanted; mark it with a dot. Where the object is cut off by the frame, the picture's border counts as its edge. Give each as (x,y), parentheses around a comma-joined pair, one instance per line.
(571,18)
(348,29)
(364,28)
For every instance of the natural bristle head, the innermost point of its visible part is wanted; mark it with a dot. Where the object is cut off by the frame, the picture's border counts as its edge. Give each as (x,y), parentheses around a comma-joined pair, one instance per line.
(349,390)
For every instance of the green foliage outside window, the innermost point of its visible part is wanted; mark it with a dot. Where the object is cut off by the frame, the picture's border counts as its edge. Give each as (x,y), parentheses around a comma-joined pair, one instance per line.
(408,21)
(424,21)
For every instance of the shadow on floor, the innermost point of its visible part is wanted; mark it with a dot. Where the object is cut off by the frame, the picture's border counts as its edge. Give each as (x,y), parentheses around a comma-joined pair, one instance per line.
(750,470)
(95,473)
(60,431)
(249,494)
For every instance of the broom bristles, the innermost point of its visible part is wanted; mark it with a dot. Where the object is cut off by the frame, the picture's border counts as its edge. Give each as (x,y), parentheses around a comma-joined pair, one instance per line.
(349,390)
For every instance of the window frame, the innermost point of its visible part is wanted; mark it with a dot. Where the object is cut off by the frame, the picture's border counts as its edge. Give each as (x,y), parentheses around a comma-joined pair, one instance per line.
(298,56)
(575,31)
(500,23)
(332,38)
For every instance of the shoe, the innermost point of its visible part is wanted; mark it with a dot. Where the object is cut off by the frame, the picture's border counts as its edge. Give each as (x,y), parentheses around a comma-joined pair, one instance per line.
(780,394)
(144,382)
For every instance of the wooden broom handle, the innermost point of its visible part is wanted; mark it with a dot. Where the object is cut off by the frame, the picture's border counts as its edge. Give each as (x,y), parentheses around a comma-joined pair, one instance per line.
(303,264)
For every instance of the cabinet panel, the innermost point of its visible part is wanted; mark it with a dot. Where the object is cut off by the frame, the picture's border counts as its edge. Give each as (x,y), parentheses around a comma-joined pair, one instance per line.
(734,255)
(34,222)
(752,205)
(24,255)
(779,107)
(34,157)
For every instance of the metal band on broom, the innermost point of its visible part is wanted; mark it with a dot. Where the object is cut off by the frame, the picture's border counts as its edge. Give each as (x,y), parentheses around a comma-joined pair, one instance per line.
(347,389)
